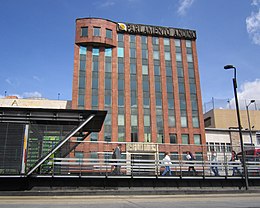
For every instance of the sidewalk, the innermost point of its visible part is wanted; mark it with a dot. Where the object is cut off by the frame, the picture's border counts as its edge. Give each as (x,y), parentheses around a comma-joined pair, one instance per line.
(127,191)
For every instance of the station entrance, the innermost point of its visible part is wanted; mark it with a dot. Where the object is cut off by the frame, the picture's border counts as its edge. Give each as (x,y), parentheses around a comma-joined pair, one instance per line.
(144,158)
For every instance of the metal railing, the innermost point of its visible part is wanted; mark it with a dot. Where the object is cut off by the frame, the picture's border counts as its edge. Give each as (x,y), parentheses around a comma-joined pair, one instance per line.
(148,168)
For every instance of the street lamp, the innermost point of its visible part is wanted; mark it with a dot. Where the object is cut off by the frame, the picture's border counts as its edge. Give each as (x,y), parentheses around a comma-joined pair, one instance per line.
(239,122)
(248,118)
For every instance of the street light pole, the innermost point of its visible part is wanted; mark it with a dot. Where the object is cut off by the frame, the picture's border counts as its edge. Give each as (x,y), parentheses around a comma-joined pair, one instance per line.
(239,123)
(248,118)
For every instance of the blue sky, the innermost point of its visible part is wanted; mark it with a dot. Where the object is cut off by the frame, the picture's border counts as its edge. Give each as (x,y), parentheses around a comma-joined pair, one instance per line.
(37,41)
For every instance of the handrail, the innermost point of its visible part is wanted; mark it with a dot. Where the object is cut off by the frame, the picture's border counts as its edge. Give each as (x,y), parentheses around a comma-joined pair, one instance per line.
(103,166)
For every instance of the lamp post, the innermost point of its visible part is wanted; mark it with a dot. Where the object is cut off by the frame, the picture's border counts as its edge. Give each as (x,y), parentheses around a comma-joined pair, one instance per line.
(248,118)
(239,123)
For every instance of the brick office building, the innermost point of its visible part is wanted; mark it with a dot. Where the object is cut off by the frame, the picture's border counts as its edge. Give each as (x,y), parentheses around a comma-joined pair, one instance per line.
(145,76)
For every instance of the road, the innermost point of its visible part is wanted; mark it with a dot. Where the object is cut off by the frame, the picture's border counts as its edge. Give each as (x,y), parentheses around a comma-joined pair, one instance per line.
(153,201)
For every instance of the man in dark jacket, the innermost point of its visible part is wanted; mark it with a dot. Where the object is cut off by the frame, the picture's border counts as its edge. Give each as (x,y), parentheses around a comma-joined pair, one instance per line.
(117,153)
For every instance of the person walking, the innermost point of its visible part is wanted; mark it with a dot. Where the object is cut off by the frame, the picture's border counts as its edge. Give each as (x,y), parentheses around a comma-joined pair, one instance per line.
(117,156)
(190,157)
(235,163)
(167,163)
(214,161)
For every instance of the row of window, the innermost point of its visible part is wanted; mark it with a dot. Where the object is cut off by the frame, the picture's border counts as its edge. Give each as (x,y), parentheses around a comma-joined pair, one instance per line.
(96,32)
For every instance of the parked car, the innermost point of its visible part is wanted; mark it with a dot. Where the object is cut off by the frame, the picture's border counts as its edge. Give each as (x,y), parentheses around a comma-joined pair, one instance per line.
(251,155)
(252,158)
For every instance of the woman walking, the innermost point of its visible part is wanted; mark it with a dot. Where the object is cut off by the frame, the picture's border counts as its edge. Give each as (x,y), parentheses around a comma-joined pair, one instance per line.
(167,163)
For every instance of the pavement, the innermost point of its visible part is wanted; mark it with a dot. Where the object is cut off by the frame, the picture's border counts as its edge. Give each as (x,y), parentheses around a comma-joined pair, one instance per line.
(231,200)
(133,191)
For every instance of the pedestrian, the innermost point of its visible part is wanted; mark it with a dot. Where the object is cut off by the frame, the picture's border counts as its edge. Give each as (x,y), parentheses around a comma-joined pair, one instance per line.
(167,163)
(214,163)
(190,157)
(117,155)
(235,163)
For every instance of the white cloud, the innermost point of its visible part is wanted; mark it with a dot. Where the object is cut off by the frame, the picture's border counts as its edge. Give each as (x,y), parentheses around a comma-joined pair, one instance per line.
(31,95)
(248,91)
(9,81)
(184,6)
(255,2)
(253,23)
(108,4)
(36,78)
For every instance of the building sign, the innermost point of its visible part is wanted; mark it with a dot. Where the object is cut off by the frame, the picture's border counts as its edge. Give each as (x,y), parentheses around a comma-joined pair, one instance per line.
(156,31)
(140,147)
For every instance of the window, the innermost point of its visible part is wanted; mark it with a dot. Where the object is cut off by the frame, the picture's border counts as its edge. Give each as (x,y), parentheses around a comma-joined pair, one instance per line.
(144,54)
(107,100)
(95,51)
(134,136)
(144,39)
(189,58)
(132,53)
(156,54)
(96,31)
(81,100)
(121,100)
(185,139)
(171,121)
(107,120)
(121,136)
(167,56)
(178,57)
(84,31)
(121,120)
(173,138)
(160,138)
(94,101)
(108,52)
(156,70)
(188,43)
(94,155)
(121,84)
(146,120)
(132,38)
(108,67)
(82,50)
(145,69)
(120,67)
(109,33)
(108,83)
(184,121)
(155,40)
(197,139)
(157,86)
(177,43)
(168,71)
(120,52)
(132,68)
(120,37)
(166,41)
(94,137)
(79,156)
(133,120)
(146,86)
(257,138)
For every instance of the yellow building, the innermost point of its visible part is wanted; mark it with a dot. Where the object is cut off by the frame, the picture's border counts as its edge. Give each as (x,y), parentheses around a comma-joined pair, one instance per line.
(221,128)
(226,119)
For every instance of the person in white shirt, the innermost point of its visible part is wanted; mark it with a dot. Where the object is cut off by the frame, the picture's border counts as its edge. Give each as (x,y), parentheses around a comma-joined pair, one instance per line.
(167,163)
(214,162)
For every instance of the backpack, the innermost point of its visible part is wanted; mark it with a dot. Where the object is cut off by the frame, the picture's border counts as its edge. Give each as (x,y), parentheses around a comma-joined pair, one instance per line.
(114,155)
